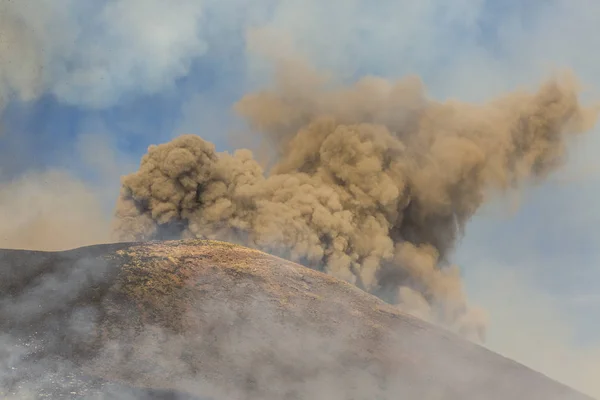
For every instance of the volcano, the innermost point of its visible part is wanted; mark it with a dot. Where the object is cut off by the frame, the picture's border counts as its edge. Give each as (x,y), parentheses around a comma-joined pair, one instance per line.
(196,319)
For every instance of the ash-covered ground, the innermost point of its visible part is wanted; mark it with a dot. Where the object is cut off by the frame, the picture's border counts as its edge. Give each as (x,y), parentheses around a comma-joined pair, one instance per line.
(202,319)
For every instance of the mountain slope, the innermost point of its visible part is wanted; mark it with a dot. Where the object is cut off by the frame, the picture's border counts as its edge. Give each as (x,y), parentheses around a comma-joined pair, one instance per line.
(216,320)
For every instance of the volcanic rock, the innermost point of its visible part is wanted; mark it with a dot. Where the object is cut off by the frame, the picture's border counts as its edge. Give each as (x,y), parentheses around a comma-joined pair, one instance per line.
(211,320)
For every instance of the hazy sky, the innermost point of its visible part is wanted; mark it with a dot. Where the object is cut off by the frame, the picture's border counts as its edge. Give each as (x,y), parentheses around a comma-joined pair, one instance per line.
(87,85)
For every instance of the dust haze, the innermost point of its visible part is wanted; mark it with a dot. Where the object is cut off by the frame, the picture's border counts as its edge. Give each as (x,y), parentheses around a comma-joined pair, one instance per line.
(55,209)
(372,183)
(50,210)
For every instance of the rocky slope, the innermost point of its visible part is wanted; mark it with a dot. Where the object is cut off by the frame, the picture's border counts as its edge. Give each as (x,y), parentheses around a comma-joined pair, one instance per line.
(202,319)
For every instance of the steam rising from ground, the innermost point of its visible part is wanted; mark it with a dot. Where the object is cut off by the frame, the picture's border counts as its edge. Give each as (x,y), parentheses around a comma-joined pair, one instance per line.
(372,183)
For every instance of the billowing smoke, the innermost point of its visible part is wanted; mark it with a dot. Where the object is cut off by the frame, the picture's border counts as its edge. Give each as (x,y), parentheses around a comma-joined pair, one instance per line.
(93,54)
(372,183)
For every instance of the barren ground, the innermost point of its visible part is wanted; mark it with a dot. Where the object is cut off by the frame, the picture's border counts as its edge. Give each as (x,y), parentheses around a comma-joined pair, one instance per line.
(220,321)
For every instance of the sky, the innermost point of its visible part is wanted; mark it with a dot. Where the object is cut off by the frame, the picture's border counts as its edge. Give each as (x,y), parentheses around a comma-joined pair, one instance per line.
(86,86)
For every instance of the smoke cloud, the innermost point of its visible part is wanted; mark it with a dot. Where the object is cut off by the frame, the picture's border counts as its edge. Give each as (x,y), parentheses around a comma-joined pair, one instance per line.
(92,54)
(54,208)
(50,210)
(98,54)
(372,183)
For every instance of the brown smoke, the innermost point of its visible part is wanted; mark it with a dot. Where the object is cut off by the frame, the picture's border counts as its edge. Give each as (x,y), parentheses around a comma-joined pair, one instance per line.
(372,183)
(50,210)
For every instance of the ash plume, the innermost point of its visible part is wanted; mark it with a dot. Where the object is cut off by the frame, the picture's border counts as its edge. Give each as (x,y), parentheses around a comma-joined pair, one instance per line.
(92,54)
(372,183)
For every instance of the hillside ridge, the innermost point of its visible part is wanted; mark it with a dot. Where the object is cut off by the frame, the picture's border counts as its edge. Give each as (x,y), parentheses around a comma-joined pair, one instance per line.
(221,320)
